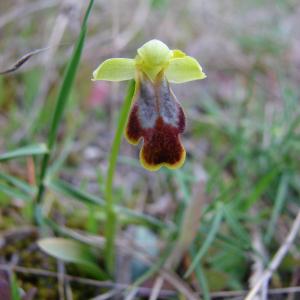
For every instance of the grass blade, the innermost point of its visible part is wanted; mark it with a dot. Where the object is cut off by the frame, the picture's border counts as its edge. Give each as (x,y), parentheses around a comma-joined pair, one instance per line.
(62,99)
(260,188)
(279,202)
(25,151)
(201,278)
(208,241)
(14,193)
(68,190)
(18,183)
(68,79)
(236,226)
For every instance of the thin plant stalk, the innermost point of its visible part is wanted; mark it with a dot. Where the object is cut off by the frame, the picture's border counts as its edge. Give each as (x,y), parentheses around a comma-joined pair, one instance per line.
(111,221)
(61,102)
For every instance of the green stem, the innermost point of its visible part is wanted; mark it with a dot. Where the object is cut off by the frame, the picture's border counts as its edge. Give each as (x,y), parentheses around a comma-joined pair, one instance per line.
(111,222)
(61,102)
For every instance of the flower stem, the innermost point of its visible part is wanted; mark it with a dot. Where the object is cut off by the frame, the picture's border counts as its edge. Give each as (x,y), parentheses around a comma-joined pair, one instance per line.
(111,221)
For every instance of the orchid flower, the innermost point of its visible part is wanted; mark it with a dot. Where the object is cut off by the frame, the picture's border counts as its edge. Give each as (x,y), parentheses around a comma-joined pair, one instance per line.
(156,116)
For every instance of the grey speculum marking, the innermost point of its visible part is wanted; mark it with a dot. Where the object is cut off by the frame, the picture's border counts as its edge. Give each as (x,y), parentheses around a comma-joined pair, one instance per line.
(147,105)
(151,105)
(169,109)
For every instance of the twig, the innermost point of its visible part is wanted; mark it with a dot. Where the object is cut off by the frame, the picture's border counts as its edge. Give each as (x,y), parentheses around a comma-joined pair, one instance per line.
(156,288)
(278,291)
(87,281)
(258,258)
(20,62)
(280,254)
(109,295)
(69,294)
(141,290)
(61,279)
(132,294)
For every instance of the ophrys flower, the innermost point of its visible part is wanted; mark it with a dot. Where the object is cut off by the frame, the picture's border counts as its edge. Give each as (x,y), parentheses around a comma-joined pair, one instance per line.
(156,116)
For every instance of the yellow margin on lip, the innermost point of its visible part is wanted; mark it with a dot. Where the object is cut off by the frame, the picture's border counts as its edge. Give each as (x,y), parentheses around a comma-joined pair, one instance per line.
(153,168)
(143,162)
(129,140)
(175,166)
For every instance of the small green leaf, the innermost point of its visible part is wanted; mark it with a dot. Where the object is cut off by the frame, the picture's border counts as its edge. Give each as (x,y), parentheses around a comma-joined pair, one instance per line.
(115,69)
(184,69)
(71,251)
(14,288)
(25,151)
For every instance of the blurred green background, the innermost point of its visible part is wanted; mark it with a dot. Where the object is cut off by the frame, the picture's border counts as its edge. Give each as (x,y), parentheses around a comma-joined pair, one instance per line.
(242,135)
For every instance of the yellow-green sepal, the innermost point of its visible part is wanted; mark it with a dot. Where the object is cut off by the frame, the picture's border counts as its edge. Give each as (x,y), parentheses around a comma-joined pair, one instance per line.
(176,53)
(183,69)
(115,69)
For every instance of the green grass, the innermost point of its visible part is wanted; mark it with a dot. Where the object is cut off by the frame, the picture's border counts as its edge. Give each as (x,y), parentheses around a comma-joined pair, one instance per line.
(61,102)
(246,138)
